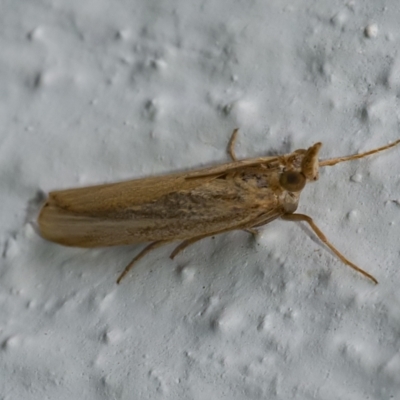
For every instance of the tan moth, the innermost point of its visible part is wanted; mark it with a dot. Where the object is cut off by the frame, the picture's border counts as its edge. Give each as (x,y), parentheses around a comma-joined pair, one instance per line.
(189,206)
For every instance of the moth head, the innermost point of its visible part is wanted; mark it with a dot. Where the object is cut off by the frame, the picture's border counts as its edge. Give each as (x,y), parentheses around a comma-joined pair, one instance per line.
(303,167)
(293,181)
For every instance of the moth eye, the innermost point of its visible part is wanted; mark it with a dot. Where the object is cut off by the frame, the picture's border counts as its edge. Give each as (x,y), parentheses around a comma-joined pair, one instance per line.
(292,181)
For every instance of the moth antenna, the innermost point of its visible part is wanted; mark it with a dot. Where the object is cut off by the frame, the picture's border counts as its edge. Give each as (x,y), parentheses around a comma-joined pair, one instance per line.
(334,161)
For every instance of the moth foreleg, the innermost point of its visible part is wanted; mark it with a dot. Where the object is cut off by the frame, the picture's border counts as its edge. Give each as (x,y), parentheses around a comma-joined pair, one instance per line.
(146,250)
(322,237)
(231,145)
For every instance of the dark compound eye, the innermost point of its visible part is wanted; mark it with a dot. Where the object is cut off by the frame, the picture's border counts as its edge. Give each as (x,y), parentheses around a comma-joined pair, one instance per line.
(292,181)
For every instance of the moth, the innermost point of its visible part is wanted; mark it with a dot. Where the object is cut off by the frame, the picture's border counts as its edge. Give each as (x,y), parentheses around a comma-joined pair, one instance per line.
(189,206)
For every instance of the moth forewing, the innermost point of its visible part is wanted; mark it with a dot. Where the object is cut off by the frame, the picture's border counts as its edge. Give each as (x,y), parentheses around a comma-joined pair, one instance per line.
(188,206)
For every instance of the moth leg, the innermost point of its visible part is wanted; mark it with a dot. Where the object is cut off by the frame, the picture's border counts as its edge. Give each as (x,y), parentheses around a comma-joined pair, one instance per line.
(252,231)
(322,237)
(187,243)
(146,250)
(231,145)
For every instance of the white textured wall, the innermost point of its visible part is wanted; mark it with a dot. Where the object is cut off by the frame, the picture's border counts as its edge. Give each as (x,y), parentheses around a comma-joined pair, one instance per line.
(99,91)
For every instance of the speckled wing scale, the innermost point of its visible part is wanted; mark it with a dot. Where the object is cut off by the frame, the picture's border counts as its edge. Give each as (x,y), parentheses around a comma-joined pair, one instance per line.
(188,206)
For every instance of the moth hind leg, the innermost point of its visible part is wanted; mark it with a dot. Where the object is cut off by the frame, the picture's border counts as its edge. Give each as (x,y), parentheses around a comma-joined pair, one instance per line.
(322,237)
(146,250)
(187,243)
(252,231)
(191,241)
